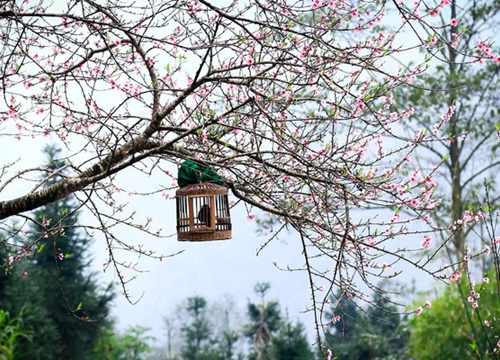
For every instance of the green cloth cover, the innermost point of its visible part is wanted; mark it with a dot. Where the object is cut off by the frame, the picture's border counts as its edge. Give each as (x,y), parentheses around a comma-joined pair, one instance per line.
(194,173)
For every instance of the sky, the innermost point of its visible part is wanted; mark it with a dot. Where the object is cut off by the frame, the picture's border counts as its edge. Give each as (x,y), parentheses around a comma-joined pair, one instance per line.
(214,270)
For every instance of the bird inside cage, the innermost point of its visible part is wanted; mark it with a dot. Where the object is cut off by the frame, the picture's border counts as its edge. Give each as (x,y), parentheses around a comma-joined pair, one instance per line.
(204,215)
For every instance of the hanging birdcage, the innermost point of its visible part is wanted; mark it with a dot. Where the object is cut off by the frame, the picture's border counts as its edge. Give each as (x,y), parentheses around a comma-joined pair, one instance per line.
(203,212)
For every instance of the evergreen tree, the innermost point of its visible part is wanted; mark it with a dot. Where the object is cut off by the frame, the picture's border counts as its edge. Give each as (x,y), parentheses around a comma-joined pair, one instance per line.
(208,335)
(207,331)
(290,343)
(197,333)
(378,332)
(131,345)
(264,322)
(52,289)
(227,339)
(272,337)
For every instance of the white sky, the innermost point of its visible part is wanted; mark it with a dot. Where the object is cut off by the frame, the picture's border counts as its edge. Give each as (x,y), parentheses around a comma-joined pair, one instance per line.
(213,270)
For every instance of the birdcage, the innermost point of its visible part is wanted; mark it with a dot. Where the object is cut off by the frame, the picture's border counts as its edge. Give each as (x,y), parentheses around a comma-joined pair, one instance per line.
(203,212)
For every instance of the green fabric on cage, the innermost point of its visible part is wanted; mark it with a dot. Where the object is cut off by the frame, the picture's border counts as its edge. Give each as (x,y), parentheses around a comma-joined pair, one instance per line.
(194,173)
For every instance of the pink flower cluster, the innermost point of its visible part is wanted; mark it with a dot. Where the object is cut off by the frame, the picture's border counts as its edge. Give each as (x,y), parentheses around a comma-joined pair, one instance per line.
(426,244)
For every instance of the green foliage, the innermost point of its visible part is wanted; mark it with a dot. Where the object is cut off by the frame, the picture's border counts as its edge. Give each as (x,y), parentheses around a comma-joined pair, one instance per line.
(452,328)
(11,331)
(290,343)
(378,332)
(204,337)
(197,333)
(200,330)
(130,345)
(50,286)
(227,341)
(272,337)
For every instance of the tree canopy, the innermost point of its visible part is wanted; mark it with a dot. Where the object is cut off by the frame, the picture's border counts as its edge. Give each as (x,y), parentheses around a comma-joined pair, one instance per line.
(290,102)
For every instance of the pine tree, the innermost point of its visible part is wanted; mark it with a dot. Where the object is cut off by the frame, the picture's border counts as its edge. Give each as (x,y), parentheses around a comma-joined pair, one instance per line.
(52,289)
(375,333)
(290,343)
(197,333)
(272,337)
(264,322)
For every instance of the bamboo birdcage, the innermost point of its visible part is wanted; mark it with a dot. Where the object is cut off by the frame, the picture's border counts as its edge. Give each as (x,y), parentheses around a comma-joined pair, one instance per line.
(203,212)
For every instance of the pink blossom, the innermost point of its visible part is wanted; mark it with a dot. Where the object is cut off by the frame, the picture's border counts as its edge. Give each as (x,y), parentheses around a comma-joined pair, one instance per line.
(426,244)
(415,176)
(395,218)
(435,12)
(250,217)
(420,310)
(453,22)
(10,260)
(13,113)
(486,280)
(428,304)
(455,276)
